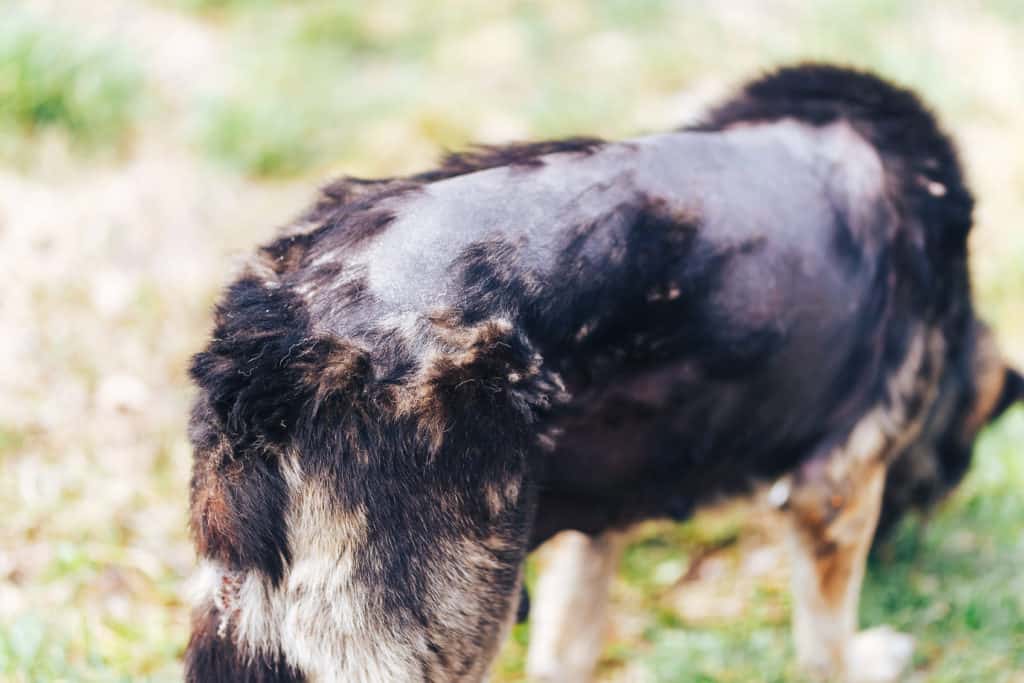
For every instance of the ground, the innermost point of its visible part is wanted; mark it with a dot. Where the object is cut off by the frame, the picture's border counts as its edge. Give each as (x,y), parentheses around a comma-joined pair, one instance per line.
(146,144)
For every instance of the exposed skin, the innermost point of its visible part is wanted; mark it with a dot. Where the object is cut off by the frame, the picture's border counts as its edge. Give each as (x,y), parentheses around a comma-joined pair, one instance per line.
(717,285)
(425,377)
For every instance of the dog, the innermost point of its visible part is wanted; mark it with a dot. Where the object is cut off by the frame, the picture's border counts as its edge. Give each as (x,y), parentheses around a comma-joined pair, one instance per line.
(424,378)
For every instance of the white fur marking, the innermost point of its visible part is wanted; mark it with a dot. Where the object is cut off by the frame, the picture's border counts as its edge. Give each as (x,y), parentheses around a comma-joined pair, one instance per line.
(778,495)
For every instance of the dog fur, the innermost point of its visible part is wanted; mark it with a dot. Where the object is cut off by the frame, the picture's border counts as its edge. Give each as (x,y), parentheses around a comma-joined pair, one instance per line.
(424,378)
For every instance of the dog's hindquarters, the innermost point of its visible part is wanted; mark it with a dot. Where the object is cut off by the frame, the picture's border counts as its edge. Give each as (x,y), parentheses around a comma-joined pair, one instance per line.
(351,528)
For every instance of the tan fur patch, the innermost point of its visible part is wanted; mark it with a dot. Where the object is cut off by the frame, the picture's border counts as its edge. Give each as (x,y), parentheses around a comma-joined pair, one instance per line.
(343,371)
(467,359)
(317,617)
(989,376)
(213,519)
(265,269)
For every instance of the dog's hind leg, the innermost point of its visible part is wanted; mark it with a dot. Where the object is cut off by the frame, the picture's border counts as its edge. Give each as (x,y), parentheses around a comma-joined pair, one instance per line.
(833,510)
(568,609)
(359,530)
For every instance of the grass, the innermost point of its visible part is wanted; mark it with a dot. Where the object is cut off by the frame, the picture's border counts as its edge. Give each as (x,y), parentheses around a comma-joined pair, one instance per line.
(52,79)
(332,62)
(116,265)
(391,65)
(260,137)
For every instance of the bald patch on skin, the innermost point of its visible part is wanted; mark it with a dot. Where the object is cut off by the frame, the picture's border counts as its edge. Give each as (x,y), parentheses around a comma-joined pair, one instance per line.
(854,163)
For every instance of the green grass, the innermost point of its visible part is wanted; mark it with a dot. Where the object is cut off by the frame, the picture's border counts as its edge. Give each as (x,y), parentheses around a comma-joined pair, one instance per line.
(220,8)
(325,66)
(262,137)
(337,65)
(52,79)
(112,643)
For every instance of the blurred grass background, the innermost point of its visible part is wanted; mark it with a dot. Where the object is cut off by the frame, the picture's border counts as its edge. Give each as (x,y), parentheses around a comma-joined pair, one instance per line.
(144,144)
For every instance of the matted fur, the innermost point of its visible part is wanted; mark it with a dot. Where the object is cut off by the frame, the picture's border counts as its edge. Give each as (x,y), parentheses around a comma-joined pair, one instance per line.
(425,377)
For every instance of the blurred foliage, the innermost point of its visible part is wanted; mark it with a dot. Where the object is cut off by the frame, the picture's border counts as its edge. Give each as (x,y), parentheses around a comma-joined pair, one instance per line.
(320,66)
(389,68)
(52,78)
(259,137)
(219,7)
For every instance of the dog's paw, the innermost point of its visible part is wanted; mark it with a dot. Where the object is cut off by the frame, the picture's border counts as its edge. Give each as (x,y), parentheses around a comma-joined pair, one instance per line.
(879,655)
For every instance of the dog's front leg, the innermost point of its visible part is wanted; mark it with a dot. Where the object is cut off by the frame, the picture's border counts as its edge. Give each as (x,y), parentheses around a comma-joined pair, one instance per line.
(569,606)
(833,510)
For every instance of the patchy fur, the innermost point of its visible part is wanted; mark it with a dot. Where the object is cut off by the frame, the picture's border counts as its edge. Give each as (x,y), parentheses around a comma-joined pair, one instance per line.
(423,378)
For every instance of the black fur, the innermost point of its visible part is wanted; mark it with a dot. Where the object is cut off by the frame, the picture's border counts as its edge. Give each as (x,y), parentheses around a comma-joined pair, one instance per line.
(522,154)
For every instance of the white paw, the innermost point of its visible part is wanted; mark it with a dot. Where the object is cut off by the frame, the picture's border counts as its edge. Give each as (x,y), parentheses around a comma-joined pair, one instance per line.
(879,655)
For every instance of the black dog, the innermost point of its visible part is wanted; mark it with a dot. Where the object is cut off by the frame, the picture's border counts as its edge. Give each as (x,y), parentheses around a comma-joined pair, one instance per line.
(425,377)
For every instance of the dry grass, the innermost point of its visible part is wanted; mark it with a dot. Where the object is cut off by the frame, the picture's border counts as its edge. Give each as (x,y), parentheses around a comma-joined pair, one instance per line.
(113,260)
